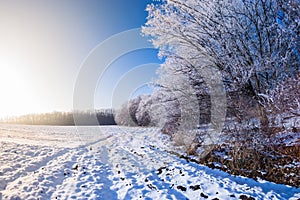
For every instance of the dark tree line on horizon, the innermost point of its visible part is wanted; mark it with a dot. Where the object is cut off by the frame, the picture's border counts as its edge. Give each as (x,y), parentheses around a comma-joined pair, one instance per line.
(88,118)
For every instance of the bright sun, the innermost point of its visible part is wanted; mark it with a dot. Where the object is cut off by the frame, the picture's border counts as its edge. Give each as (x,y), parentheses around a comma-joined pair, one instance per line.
(15,98)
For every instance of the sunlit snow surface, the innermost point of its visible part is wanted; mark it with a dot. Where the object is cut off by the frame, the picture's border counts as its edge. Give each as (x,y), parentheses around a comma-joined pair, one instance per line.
(43,162)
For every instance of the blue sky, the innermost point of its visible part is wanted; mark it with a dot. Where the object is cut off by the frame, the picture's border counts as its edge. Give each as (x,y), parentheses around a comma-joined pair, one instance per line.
(44,43)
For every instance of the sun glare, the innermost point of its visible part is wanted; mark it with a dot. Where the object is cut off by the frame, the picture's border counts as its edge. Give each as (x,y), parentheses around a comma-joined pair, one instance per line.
(15,98)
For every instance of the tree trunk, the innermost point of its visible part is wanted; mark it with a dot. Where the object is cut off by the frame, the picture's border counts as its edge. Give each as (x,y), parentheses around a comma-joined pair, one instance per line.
(264,121)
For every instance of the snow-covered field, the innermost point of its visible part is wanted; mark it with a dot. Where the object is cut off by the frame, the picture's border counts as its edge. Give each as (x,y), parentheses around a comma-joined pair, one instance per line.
(43,162)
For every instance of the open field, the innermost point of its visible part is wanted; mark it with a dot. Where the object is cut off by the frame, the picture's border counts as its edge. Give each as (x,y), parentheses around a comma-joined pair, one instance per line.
(111,162)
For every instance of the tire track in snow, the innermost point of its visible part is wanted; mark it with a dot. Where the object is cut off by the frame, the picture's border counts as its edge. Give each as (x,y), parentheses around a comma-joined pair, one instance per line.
(92,178)
(42,182)
(16,171)
(40,175)
(41,178)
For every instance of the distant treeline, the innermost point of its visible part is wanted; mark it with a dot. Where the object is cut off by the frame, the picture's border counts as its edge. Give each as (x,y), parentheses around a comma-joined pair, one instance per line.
(83,118)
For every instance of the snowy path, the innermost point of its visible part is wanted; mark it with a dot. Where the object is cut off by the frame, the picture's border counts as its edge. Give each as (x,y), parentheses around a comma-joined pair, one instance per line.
(112,163)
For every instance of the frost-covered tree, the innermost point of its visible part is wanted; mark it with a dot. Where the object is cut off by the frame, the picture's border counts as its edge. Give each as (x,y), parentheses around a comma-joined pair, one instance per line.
(135,112)
(253,43)
(143,112)
(133,106)
(123,117)
(165,112)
